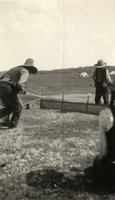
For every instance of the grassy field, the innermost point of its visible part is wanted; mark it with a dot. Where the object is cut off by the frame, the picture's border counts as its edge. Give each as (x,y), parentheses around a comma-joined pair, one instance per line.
(45,156)
(58,82)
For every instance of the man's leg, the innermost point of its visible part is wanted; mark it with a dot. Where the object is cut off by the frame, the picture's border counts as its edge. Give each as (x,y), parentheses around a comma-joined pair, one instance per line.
(14,105)
(6,120)
(4,112)
(98,95)
(106,96)
(112,98)
(16,111)
(5,90)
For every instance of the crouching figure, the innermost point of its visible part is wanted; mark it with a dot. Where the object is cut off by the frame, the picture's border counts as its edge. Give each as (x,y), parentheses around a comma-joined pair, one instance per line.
(12,83)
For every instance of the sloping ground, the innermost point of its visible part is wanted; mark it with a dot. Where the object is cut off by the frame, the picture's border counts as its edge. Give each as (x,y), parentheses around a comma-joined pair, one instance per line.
(45,157)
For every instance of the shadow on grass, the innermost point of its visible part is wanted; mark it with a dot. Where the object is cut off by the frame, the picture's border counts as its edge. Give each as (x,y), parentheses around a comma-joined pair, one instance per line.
(51,179)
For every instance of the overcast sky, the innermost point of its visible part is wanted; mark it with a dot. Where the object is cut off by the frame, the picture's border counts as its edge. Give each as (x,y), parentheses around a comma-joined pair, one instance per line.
(56,33)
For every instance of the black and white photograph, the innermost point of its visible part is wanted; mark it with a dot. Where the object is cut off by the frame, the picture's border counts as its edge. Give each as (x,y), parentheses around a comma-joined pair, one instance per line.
(57,99)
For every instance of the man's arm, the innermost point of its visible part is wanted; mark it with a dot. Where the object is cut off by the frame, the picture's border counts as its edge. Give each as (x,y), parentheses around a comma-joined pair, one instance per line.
(94,77)
(24,75)
(108,76)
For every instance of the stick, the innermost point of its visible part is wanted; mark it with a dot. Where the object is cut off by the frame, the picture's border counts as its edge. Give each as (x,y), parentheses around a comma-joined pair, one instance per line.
(31,102)
(34,95)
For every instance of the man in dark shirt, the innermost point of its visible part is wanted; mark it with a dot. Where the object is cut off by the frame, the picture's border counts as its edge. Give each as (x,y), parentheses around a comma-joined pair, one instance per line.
(12,83)
(101,78)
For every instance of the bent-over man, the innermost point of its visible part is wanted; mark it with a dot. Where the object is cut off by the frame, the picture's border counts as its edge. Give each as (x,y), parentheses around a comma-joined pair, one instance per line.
(12,83)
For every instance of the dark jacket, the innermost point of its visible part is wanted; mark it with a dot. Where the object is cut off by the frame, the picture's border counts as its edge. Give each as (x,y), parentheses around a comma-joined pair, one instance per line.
(101,76)
(17,77)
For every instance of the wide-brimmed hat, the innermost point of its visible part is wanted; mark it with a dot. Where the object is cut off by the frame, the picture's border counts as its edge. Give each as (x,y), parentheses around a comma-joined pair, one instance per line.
(101,63)
(29,65)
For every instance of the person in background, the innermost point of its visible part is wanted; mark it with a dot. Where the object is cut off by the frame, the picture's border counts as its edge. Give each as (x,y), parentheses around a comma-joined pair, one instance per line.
(101,78)
(12,83)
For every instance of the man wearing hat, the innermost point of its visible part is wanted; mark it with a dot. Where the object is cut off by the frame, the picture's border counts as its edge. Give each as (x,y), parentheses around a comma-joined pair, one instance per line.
(12,83)
(101,78)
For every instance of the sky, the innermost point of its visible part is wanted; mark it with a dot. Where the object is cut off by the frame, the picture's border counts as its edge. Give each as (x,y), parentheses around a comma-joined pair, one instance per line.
(56,33)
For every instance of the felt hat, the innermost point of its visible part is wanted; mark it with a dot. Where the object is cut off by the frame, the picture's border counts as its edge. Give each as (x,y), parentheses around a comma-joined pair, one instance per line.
(100,63)
(29,65)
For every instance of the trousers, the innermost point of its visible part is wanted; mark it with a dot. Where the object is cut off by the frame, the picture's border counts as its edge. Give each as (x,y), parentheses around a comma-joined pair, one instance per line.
(101,92)
(12,103)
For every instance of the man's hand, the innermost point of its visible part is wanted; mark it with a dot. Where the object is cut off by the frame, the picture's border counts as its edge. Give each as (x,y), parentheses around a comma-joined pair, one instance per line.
(104,85)
(22,89)
(19,88)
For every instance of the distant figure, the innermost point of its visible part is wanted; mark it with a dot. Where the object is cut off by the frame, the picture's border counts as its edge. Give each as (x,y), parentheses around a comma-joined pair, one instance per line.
(101,78)
(12,83)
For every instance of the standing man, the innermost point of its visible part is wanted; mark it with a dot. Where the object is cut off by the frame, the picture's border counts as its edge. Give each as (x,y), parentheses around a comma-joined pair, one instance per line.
(101,78)
(12,83)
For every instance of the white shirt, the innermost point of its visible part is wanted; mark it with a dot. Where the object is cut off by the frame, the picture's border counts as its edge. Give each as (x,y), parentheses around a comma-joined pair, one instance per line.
(106,121)
(24,75)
